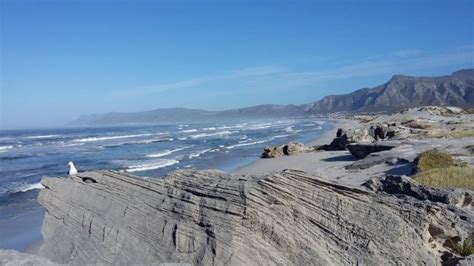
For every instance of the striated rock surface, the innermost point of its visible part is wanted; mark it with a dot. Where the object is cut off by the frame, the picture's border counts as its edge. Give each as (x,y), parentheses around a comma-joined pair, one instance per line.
(214,218)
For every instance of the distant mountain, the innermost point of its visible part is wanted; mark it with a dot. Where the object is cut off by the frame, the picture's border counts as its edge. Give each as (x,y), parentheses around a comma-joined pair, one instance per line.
(402,92)
(184,115)
(398,93)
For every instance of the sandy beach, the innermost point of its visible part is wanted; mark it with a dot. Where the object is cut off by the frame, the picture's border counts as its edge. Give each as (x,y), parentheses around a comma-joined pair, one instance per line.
(327,164)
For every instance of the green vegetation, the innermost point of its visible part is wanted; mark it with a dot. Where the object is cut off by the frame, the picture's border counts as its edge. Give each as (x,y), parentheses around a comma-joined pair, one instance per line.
(464,250)
(439,169)
(462,133)
(450,177)
(469,110)
(434,159)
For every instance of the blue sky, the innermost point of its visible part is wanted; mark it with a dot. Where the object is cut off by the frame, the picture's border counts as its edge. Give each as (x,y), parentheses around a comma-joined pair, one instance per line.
(61,59)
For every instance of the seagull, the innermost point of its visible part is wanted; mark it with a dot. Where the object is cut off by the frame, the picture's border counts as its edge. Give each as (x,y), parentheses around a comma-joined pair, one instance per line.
(72,169)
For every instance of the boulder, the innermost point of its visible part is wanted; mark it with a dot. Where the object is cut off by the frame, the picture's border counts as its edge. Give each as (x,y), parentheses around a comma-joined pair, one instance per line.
(343,138)
(273,152)
(361,150)
(291,148)
(405,186)
(294,148)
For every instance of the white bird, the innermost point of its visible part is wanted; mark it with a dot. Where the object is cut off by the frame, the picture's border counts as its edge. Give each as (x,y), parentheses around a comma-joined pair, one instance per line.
(72,169)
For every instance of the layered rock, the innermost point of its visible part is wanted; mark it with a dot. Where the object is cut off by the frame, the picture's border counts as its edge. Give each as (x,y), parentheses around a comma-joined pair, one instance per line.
(205,217)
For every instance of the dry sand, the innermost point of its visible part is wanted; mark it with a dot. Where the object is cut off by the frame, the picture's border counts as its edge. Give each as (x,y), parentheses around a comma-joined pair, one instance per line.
(328,164)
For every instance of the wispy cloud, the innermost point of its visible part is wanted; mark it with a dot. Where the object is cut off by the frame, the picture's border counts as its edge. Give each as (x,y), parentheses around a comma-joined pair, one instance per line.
(407,53)
(280,77)
(244,73)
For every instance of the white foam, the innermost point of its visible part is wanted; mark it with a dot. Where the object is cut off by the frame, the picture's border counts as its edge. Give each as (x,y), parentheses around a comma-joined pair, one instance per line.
(151,166)
(28,187)
(145,141)
(5,148)
(197,154)
(291,130)
(260,126)
(209,128)
(43,137)
(166,152)
(189,130)
(233,126)
(247,144)
(255,142)
(203,135)
(92,139)
(72,144)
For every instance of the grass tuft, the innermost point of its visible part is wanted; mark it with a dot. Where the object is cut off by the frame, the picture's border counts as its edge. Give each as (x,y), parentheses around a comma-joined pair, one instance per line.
(434,159)
(450,177)
(464,250)
(439,169)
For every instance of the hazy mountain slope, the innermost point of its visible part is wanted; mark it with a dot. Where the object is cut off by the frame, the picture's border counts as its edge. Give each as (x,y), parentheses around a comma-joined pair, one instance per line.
(190,115)
(402,92)
(398,93)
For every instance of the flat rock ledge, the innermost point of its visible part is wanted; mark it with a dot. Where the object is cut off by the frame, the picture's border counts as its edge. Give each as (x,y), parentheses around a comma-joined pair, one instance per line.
(214,218)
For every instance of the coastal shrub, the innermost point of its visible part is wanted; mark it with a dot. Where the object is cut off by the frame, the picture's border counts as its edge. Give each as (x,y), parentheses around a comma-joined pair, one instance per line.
(465,249)
(469,110)
(462,133)
(440,169)
(434,159)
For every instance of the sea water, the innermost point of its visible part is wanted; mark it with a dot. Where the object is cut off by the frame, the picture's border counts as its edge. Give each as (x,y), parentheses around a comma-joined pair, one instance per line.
(150,151)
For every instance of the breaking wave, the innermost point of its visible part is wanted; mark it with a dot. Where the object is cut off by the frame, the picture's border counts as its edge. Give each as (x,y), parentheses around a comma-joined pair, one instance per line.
(150,166)
(92,139)
(203,135)
(166,152)
(197,154)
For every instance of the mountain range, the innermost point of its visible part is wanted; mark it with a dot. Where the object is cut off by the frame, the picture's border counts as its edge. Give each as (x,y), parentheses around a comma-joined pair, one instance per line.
(398,93)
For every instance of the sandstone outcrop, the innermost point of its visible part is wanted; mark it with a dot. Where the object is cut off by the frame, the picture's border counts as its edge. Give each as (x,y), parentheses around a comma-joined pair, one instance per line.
(214,218)
(289,149)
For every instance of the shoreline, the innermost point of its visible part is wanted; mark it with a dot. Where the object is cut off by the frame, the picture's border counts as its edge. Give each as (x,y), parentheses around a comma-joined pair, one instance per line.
(324,138)
(327,164)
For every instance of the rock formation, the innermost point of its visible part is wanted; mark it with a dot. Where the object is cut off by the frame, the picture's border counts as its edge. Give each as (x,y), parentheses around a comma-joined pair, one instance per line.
(289,149)
(361,150)
(214,218)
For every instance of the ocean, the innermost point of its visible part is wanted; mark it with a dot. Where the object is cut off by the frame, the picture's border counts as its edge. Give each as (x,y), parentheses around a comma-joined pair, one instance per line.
(150,151)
